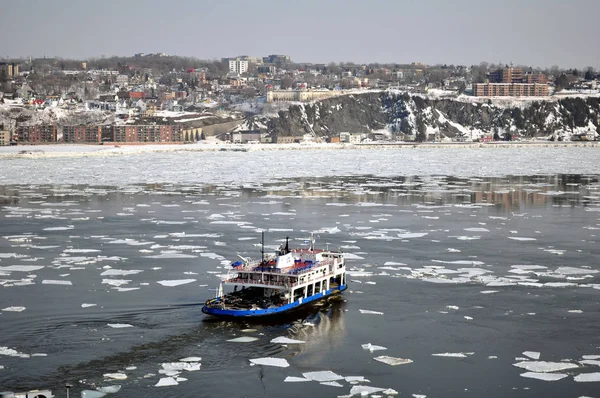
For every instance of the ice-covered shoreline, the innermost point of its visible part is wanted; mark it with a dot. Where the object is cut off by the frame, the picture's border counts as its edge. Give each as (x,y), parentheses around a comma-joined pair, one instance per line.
(78,150)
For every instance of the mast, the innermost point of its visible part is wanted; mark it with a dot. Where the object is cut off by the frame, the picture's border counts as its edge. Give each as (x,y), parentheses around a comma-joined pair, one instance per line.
(262,246)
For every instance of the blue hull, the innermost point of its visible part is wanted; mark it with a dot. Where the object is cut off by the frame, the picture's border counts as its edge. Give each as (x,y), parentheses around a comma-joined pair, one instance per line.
(271,311)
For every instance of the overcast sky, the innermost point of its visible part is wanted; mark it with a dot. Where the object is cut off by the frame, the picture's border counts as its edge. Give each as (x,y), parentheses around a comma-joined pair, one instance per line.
(526,32)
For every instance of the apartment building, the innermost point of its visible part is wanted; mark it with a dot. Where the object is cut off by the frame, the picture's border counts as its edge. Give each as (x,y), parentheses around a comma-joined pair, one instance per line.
(238,65)
(92,134)
(36,134)
(510,90)
(148,133)
(4,137)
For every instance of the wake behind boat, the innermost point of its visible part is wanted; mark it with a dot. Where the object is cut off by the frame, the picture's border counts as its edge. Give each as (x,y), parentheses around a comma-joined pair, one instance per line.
(279,283)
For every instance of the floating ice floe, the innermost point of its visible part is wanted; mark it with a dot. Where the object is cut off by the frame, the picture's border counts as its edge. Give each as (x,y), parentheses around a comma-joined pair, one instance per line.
(331,384)
(268,361)
(286,340)
(371,312)
(322,376)
(12,352)
(587,377)
(545,367)
(590,362)
(21,268)
(110,389)
(370,347)
(293,379)
(575,311)
(115,376)
(68,227)
(408,235)
(453,354)
(532,354)
(179,366)
(476,229)
(544,376)
(120,272)
(488,291)
(392,360)
(191,359)
(591,356)
(119,325)
(13,309)
(166,382)
(56,282)
(177,282)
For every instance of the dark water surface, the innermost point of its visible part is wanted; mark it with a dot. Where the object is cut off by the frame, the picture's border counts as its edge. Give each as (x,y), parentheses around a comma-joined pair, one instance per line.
(446,260)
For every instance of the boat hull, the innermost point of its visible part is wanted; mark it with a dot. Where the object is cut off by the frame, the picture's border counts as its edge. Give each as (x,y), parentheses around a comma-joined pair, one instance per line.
(268,312)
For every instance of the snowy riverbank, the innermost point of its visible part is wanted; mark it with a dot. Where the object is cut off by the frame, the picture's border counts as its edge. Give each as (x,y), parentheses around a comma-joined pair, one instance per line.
(76,150)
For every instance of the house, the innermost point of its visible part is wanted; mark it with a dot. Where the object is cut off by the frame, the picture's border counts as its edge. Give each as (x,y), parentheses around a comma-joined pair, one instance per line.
(246,136)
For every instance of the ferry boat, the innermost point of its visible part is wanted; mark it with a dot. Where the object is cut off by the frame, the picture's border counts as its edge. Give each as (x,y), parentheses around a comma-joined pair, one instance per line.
(279,283)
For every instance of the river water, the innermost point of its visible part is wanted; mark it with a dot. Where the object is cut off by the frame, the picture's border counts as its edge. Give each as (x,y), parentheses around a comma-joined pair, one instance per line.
(471,278)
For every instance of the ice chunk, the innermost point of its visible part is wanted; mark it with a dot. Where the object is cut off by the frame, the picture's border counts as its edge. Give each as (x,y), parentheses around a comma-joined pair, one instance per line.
(372,347)
(166,381)
(590,362)
(544,376)
(120,272)
(364,390)
(119,325)
(179,366)
(521,238)
(488,291)
(371,312)
(191,359)
(14,309)
(244,339)
(408,235)
(115,376)
(285,340)
(292,379)
(54,282)
(453,354)
(110,389)
(532,354)
(542,366)
(591,356)
(331,383)
(92,394)
(321,376)
(87,305)
(176,282)
(269,361)
(21,268)
(392,360)
(587,377)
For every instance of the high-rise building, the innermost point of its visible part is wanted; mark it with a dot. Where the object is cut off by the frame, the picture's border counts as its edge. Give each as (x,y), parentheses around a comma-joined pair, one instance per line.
(238,65)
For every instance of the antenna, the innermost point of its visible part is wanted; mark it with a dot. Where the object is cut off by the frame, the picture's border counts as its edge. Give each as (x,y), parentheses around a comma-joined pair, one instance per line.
(262,246)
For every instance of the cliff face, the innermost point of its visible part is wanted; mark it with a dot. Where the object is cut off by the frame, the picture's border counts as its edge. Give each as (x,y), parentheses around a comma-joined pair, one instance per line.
(422,118)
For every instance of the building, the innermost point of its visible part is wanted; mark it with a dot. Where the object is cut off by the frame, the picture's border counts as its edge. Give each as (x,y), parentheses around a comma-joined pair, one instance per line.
(246,136)
(238,65)
(40,134)
(5,137)
(10,69)
(516,75)
(277,59)
(510,90)
(301,95)
(91,134)
(148,133)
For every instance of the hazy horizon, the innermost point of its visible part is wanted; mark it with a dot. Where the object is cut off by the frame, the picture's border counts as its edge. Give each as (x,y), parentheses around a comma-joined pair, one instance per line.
(537,33)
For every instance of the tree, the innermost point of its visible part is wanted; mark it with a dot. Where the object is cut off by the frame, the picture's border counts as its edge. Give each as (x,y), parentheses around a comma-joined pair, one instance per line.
(287,82)
(561,82)
(589,73)
(421,130)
